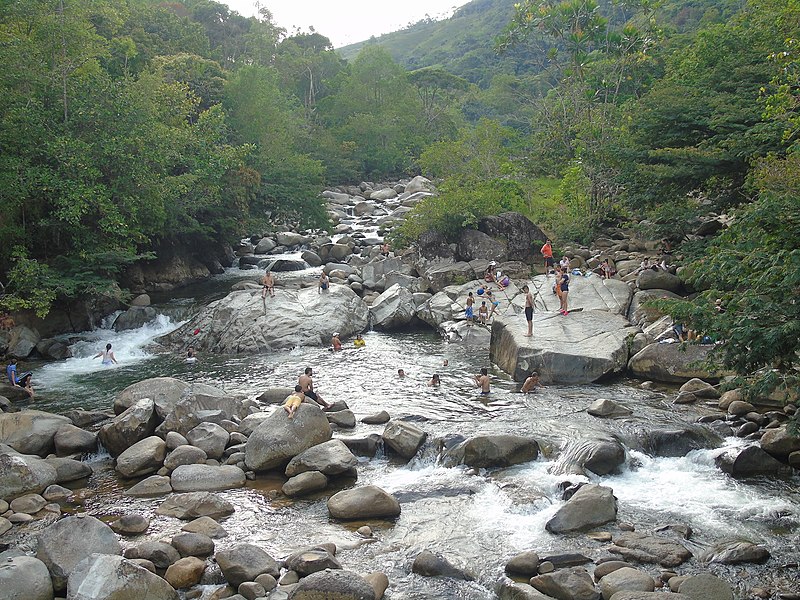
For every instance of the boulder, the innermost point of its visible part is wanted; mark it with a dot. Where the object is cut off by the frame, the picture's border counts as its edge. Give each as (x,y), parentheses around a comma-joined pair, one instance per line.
(659,280)
(590,506)
(568,584)
(512,590)
(429,564)
(677,442)
(644,548)
(22,341)
(28,504)
(74,440)
(780,442)
(393,309)
(278,439)
(134,318)
(197,408)
(68,469)
(67,542)
(206,478)
(446,272)
(341,418)
(627,595)
(134,424)
(193,544)
(734,553)
(172,268)
(473,244)
(209,437)
(290,238)
(104,577)
(23,474)
(419,184)
(330,458)
(436,311)
(603,407)
(305,483)
(184,455)
(524,563)
(701,389)
(489,451)
(365,502)
(626,579)
(750,461)
(195,504)
(206,526)
(641,313)
(404,438)
(145,456)
(165,392)
(265,246)
(131,524)
(522,238)
(598,456)
(245,562)
(242,323)
(671,363)
(30,431)
(706,586)
(338,584)
(311,561)
(25,578)
(155,485)
(185,572)
(160,554)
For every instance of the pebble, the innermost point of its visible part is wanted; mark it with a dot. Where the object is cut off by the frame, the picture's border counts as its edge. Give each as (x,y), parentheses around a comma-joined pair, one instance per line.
(599,536)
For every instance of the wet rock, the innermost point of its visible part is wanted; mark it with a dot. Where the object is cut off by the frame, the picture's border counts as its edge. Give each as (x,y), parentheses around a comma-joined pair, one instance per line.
(29,504)
(25,578)
(524,563)
(143,457)
(600,456)
(278,439)
(603,407)
(104,577)
(364,446)
(165,392)
(252,590)
(780,442)
(155,485)
(626,595)
(67,542)
(245,562)
(206,478)
(728,398)
(22,474)
(132,524)
(429,564)
(184,455)
(310,561)
(193,544)
(379,582)
(305,483)
(700,388)
(706,586)
(671,363)
(677,442)
(567,559)
(740,408)
(626,579)
(185,572)
(750,461)
(206,526)
(607,567)
(209,437)
(569,584)
(160,554)
(393,309)
(644,548)
(68,469)
(342,418)
(195,504)
(339,584)
(330,458)
(30,431)
(404,438)
(56,493)
(134,424)
(73,440)
(377,419)
(734,553)
(365,502)
(134,318)
(197,408)
(508,589)
(591,505)
(488,451)
(267,581)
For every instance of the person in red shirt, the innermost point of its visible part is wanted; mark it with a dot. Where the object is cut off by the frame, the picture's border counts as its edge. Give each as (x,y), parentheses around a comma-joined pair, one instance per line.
(547,253)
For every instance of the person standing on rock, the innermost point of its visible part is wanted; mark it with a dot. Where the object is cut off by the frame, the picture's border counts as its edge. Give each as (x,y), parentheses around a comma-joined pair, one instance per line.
(469,312)
(324,283)
(306,384)
(268,281)
(22,380)
(563,285)
(483,313)
(108,356)
(528,310)
(495,303)
(482,381)
(547,253)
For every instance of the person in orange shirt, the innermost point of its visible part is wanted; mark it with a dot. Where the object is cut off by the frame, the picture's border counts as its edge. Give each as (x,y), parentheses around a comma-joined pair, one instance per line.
(547,253)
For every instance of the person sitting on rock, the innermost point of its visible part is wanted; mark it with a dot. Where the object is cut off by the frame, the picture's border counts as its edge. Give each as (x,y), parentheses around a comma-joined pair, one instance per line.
(293,401)
(324,283)
(22,380)
(306,384)
(489,275)
(530,383)
(606,269)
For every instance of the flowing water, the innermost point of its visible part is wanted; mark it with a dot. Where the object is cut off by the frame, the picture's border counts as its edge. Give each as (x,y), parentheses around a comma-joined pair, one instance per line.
(478,519)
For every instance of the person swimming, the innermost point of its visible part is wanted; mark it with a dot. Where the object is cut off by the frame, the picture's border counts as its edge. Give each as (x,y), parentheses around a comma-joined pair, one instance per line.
(191,355)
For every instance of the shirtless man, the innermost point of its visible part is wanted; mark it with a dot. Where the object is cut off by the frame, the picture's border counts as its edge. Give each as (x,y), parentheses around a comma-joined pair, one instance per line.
(268,281)
(324,283)
(469,311)
(307,387)
(336,342)
(482,381)
(530,383)
(293,401)
(528,310)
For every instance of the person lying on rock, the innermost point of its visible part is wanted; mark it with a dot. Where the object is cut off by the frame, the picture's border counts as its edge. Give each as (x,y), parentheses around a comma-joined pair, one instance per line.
(306,384)
(22,380)
(293,401)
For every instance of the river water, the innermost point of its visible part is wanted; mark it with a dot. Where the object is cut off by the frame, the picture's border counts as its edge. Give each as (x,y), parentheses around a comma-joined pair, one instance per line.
(478,519)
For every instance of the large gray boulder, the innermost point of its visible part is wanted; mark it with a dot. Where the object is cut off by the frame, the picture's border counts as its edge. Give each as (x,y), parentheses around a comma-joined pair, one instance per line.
(67,542)
(245,562)
(206,478)
(30,431)
(104,577)
(659,280)
(706,586)
(311,561)
(22,341)
(242,322)
(197,408)
(305,483)
(338,584)
(68,469)
(279,439)
(365,502)
(72,440)
(443,273)
(192,505)
(569,584)
(165,392)
(393,309)
(210,438)
(645,548)
(626,579)
(132,425)
(473,244)
(25,578)
(590,506)
(23,474)
(599,456)
(488,451)
(144,457)
(437,310)
(404,438)
(671,363)
(749,462)
(522,238)
(641,313)
(184,455)
(736,552)
(134,318)
(429,564)
(330,458)
(780,442)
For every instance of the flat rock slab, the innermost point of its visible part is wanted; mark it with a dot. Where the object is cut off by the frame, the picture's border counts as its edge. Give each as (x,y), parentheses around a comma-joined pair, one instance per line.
(671,363)
(206,478)
(650,549)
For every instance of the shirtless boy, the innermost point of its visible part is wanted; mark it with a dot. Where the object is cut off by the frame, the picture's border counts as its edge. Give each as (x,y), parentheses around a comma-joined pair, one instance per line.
(293,401)
(268,281)
(528,310)
(530,383)
(306,384)
(482,381)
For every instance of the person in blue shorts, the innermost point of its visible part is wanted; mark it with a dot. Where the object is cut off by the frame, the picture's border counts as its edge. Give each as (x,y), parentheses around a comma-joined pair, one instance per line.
(469,312)
(22,380)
